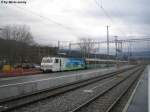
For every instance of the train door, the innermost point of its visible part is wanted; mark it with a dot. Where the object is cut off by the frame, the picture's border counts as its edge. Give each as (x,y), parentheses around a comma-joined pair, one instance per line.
(57,64)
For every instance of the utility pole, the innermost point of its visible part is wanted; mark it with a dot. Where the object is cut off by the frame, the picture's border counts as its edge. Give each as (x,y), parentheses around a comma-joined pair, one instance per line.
(39,50)
(130,49)
(121,50)
(116,38)
(69,49)
(95,56)
(58,45)
(117,50)
(107,41)
(99,49)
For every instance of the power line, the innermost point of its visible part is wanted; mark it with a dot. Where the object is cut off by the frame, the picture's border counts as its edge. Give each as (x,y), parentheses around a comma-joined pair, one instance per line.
(51,21)
(43,17)
(107,15)
(117,9)
(118,40)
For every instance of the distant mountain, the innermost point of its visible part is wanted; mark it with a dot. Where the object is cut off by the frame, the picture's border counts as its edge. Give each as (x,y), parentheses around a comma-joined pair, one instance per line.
(133,55)
(142,54)
(78,54)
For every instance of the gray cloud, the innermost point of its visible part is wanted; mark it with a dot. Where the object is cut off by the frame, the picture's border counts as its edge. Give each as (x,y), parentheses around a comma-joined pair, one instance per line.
(74,19)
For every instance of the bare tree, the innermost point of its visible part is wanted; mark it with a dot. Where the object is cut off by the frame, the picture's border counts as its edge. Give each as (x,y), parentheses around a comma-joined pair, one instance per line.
(85,45)
(20,33)
(17,38)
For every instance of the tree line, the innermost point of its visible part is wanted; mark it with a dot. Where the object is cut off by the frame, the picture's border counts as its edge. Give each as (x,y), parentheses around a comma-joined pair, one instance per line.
(17,45)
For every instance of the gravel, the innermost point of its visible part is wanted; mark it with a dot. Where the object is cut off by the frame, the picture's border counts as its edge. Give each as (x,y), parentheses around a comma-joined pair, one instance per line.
(104,102)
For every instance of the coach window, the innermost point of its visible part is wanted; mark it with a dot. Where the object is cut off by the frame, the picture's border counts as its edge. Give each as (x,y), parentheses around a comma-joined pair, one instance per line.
(56,60)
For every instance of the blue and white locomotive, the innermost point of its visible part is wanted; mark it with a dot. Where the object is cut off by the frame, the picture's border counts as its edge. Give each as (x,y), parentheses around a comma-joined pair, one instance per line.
(62,64)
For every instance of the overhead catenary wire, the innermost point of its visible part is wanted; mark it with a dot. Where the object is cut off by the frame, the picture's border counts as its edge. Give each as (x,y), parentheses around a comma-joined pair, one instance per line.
(43,17)
(52,21)
(122,20)
(107,15)
(57,23)
(112,21)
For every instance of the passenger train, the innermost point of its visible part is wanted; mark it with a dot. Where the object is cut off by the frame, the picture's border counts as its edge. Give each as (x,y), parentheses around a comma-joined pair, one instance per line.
(65,64)
(62,64)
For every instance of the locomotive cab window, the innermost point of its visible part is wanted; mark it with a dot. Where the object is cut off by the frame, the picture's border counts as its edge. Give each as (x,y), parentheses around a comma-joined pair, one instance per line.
(56,60)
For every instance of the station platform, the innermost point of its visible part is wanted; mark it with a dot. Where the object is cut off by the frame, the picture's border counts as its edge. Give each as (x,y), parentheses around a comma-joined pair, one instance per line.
(29,84)
(138,101)
(43,76)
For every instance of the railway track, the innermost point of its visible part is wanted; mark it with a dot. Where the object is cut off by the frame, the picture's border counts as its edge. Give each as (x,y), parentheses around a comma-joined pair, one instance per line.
(106,100)
(18,102)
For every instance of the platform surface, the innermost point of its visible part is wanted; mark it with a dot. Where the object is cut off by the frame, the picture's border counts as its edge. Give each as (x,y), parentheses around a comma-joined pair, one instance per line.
(139,102)
(22,85)
(28,78)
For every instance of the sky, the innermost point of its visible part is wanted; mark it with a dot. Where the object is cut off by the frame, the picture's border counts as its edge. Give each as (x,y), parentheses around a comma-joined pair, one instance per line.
(69,20)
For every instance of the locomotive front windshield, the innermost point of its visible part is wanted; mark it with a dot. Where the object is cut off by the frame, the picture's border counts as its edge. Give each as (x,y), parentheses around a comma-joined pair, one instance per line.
(47,60)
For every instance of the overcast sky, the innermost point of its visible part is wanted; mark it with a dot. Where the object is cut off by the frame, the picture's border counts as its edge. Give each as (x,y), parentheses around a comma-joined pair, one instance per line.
(68,20)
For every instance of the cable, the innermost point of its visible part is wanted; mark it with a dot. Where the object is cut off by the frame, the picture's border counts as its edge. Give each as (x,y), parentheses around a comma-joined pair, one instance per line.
(117,9)
(108,16)
(51,21)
